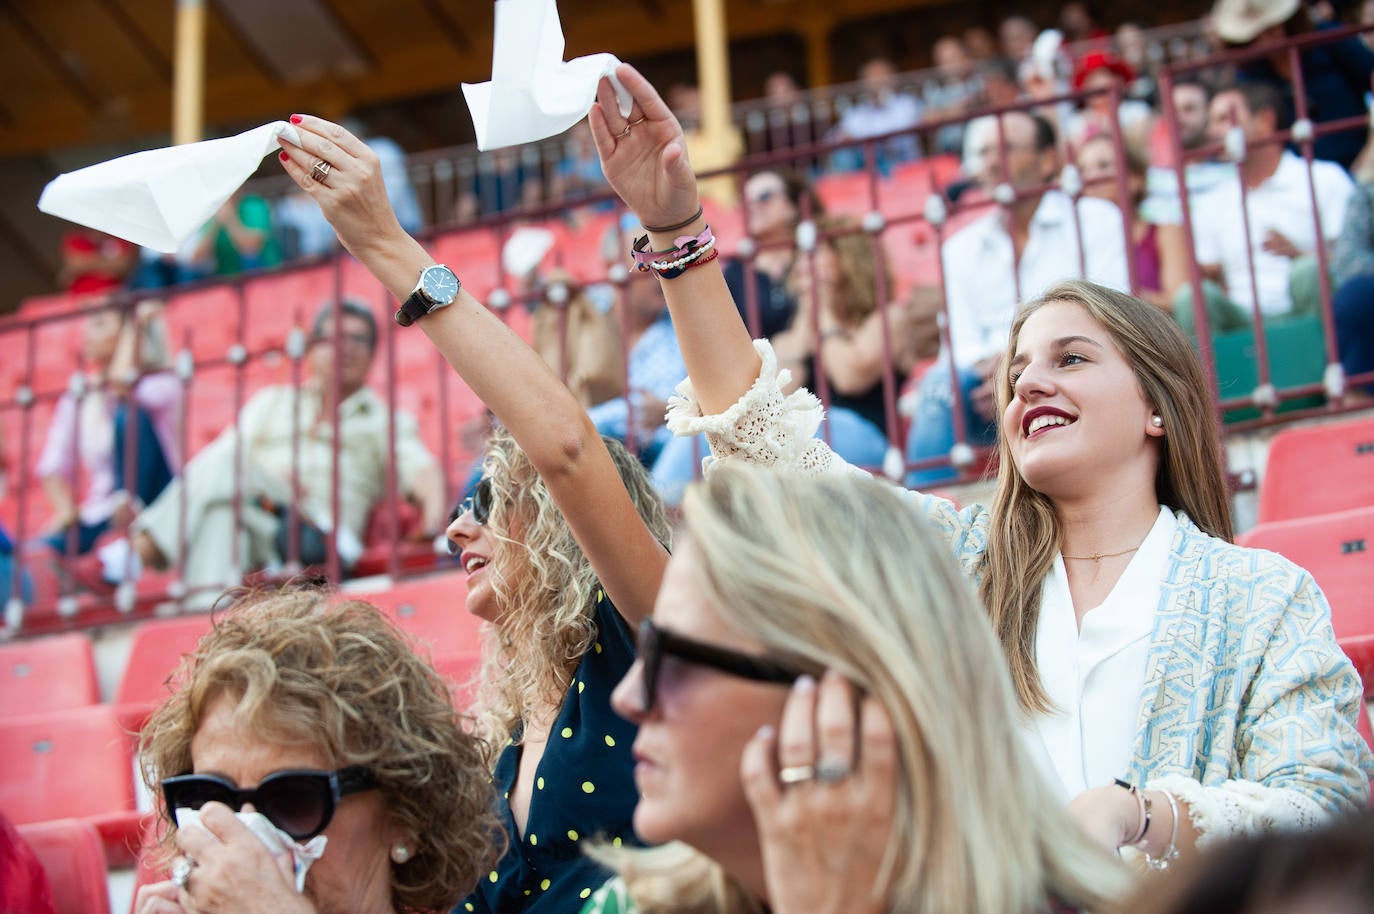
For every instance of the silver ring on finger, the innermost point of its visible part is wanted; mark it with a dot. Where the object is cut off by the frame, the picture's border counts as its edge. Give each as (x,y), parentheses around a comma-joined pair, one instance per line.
(320,170)
(796,774)
(181,871)
(831,771)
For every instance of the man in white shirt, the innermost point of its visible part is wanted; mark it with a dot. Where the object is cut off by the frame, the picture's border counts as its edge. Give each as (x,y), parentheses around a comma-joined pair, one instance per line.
(1278,202)
(1008,256)
(884,110)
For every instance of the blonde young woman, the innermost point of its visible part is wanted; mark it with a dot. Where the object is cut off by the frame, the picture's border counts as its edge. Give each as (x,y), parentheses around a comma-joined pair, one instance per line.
(562,543)
(955,816)
(1173,686)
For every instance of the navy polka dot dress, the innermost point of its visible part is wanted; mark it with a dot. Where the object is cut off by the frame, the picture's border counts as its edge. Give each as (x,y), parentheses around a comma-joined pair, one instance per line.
(583,789)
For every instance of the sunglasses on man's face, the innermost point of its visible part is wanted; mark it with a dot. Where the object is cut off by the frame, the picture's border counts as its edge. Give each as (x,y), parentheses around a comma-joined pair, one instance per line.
(479,503)
(655,643)
(299,802)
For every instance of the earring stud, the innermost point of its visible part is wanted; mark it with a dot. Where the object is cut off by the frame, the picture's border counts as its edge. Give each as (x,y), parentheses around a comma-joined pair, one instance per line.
(400,853)
(1157,421)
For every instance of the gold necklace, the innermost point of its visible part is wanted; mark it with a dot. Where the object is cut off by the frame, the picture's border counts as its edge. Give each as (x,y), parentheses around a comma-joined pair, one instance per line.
(1099,556)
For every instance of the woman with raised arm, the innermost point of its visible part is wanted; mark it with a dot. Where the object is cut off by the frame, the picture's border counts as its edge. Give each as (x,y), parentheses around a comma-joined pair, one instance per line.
(1175,687)
(564,546)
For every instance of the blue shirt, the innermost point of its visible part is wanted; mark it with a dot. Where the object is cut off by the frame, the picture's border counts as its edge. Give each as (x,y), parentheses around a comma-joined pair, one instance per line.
(655,368)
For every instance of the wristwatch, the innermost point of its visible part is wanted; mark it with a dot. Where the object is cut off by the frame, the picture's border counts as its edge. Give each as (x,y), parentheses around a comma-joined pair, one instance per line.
(437,288)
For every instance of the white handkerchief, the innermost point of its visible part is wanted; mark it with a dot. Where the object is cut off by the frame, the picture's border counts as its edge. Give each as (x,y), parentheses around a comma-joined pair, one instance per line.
(533,92)
(277,841)
(161,197)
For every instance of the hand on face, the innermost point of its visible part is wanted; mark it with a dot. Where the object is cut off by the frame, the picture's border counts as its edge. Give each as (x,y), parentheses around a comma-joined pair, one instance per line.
(825,836)
(645,164)
(352,195)
(233,870)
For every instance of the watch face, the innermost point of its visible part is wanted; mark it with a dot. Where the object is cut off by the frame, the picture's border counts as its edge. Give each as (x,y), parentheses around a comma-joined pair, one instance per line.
(440,285)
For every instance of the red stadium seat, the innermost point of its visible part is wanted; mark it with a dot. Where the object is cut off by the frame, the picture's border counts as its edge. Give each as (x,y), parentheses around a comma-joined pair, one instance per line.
(155,653)
(71,764)
(1317,470)
(74,862)
(1339,551)
(51,673)
(1360,650)
(432,610)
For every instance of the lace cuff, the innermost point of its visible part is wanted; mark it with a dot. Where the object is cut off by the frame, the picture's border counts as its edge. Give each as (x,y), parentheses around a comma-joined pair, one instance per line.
(765,426)
(1237,808)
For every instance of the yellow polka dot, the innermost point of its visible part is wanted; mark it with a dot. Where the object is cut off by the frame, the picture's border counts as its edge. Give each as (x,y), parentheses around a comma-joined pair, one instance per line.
(615,842)
(610,740)
(588,786)
(584,893)
(544,886)
(572,835)
(600,594)
(539,783)
(567,732)
(598,647)
(527,891)
(469,906)
(534,839)
(580,687)
(493,877)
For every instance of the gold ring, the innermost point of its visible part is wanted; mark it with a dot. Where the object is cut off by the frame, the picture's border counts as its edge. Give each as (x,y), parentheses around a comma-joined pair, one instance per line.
(320,170)
(626,132)
(796,774)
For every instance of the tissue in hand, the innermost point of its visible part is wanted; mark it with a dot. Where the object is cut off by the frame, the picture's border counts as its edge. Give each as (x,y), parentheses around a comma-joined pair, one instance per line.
(276,840)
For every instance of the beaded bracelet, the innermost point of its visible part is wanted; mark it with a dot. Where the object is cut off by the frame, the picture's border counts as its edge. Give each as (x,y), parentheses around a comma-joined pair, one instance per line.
(1171,852)
(691,250)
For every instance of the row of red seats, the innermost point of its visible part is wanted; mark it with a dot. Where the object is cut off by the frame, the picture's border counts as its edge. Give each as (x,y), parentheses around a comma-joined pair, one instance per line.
(1316,507)
(65,754)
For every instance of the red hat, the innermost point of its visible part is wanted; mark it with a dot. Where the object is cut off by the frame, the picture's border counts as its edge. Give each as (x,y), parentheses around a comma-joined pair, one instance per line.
(1101,60)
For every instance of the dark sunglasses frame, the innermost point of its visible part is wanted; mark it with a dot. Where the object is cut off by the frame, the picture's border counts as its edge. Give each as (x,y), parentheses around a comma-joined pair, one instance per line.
(333,786)
(655,642)
(479,503)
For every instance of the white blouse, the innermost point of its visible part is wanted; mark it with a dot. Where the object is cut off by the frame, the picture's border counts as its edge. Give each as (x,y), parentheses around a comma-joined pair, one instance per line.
(1093,676)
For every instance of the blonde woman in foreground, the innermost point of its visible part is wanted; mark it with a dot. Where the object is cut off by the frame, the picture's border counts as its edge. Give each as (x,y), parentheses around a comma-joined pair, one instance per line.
(1172,686)
(817,635)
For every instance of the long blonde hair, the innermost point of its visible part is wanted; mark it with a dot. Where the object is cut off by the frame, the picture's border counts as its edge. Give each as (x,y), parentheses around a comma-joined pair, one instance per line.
(843,573)
(1025,530)
(544,584)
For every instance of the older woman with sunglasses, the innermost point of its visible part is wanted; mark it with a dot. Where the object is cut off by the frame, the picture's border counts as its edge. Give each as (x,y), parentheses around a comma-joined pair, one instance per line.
(869,680)
(318,716)
(563,547)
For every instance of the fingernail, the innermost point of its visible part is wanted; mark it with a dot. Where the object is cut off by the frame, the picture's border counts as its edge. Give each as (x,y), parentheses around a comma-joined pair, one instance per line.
(765,732)
(282,155)
(805,684)
(296,118)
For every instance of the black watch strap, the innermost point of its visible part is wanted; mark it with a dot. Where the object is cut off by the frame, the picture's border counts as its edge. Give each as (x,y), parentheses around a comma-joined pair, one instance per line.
(413,308)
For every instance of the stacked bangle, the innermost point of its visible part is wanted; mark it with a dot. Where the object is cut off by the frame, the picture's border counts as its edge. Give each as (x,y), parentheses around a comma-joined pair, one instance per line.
(690,251)
(1171,852)
(1145,809)
(663,230)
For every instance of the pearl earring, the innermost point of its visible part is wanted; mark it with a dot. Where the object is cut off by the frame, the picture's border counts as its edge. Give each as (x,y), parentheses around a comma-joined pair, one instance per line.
(400,853)
(1157,421)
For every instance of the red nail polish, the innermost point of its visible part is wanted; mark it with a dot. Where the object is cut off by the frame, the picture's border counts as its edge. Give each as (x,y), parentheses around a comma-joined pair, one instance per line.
(296,118)
(282,155)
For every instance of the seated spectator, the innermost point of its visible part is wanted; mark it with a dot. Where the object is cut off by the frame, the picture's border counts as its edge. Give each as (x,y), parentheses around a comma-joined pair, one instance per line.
(285,438)
(130,392)
(94,262)
(653,362)
(1135,53)
(505,180)
(1335,75)
(318,713)
(1098,70)
(883,109)
(7,565)
(774,201)
(301,230)
(1015,35)
(953,92)
(396,176)
(880,788)
(239,237)
(1078,22)
(1159,251)
(1000,84)
(1352,275)
(1330,870)
(992,264)
(979,43)
(1279,203)
(578,172)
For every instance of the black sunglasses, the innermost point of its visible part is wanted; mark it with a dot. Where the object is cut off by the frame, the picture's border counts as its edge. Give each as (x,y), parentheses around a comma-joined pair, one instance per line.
(655,642)
(299,802)
(479,503)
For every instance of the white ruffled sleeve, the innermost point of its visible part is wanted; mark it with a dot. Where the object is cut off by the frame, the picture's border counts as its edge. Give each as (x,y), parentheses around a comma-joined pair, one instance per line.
(765,426)
(1238,808)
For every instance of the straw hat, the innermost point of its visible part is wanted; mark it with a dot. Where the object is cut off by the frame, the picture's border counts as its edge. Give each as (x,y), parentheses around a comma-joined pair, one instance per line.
(1241,21)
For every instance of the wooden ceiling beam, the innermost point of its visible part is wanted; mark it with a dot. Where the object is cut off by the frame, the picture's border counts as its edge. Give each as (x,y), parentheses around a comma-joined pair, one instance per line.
(348,32)
(54,60)
(160,62)
(448,26)
(245,44)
